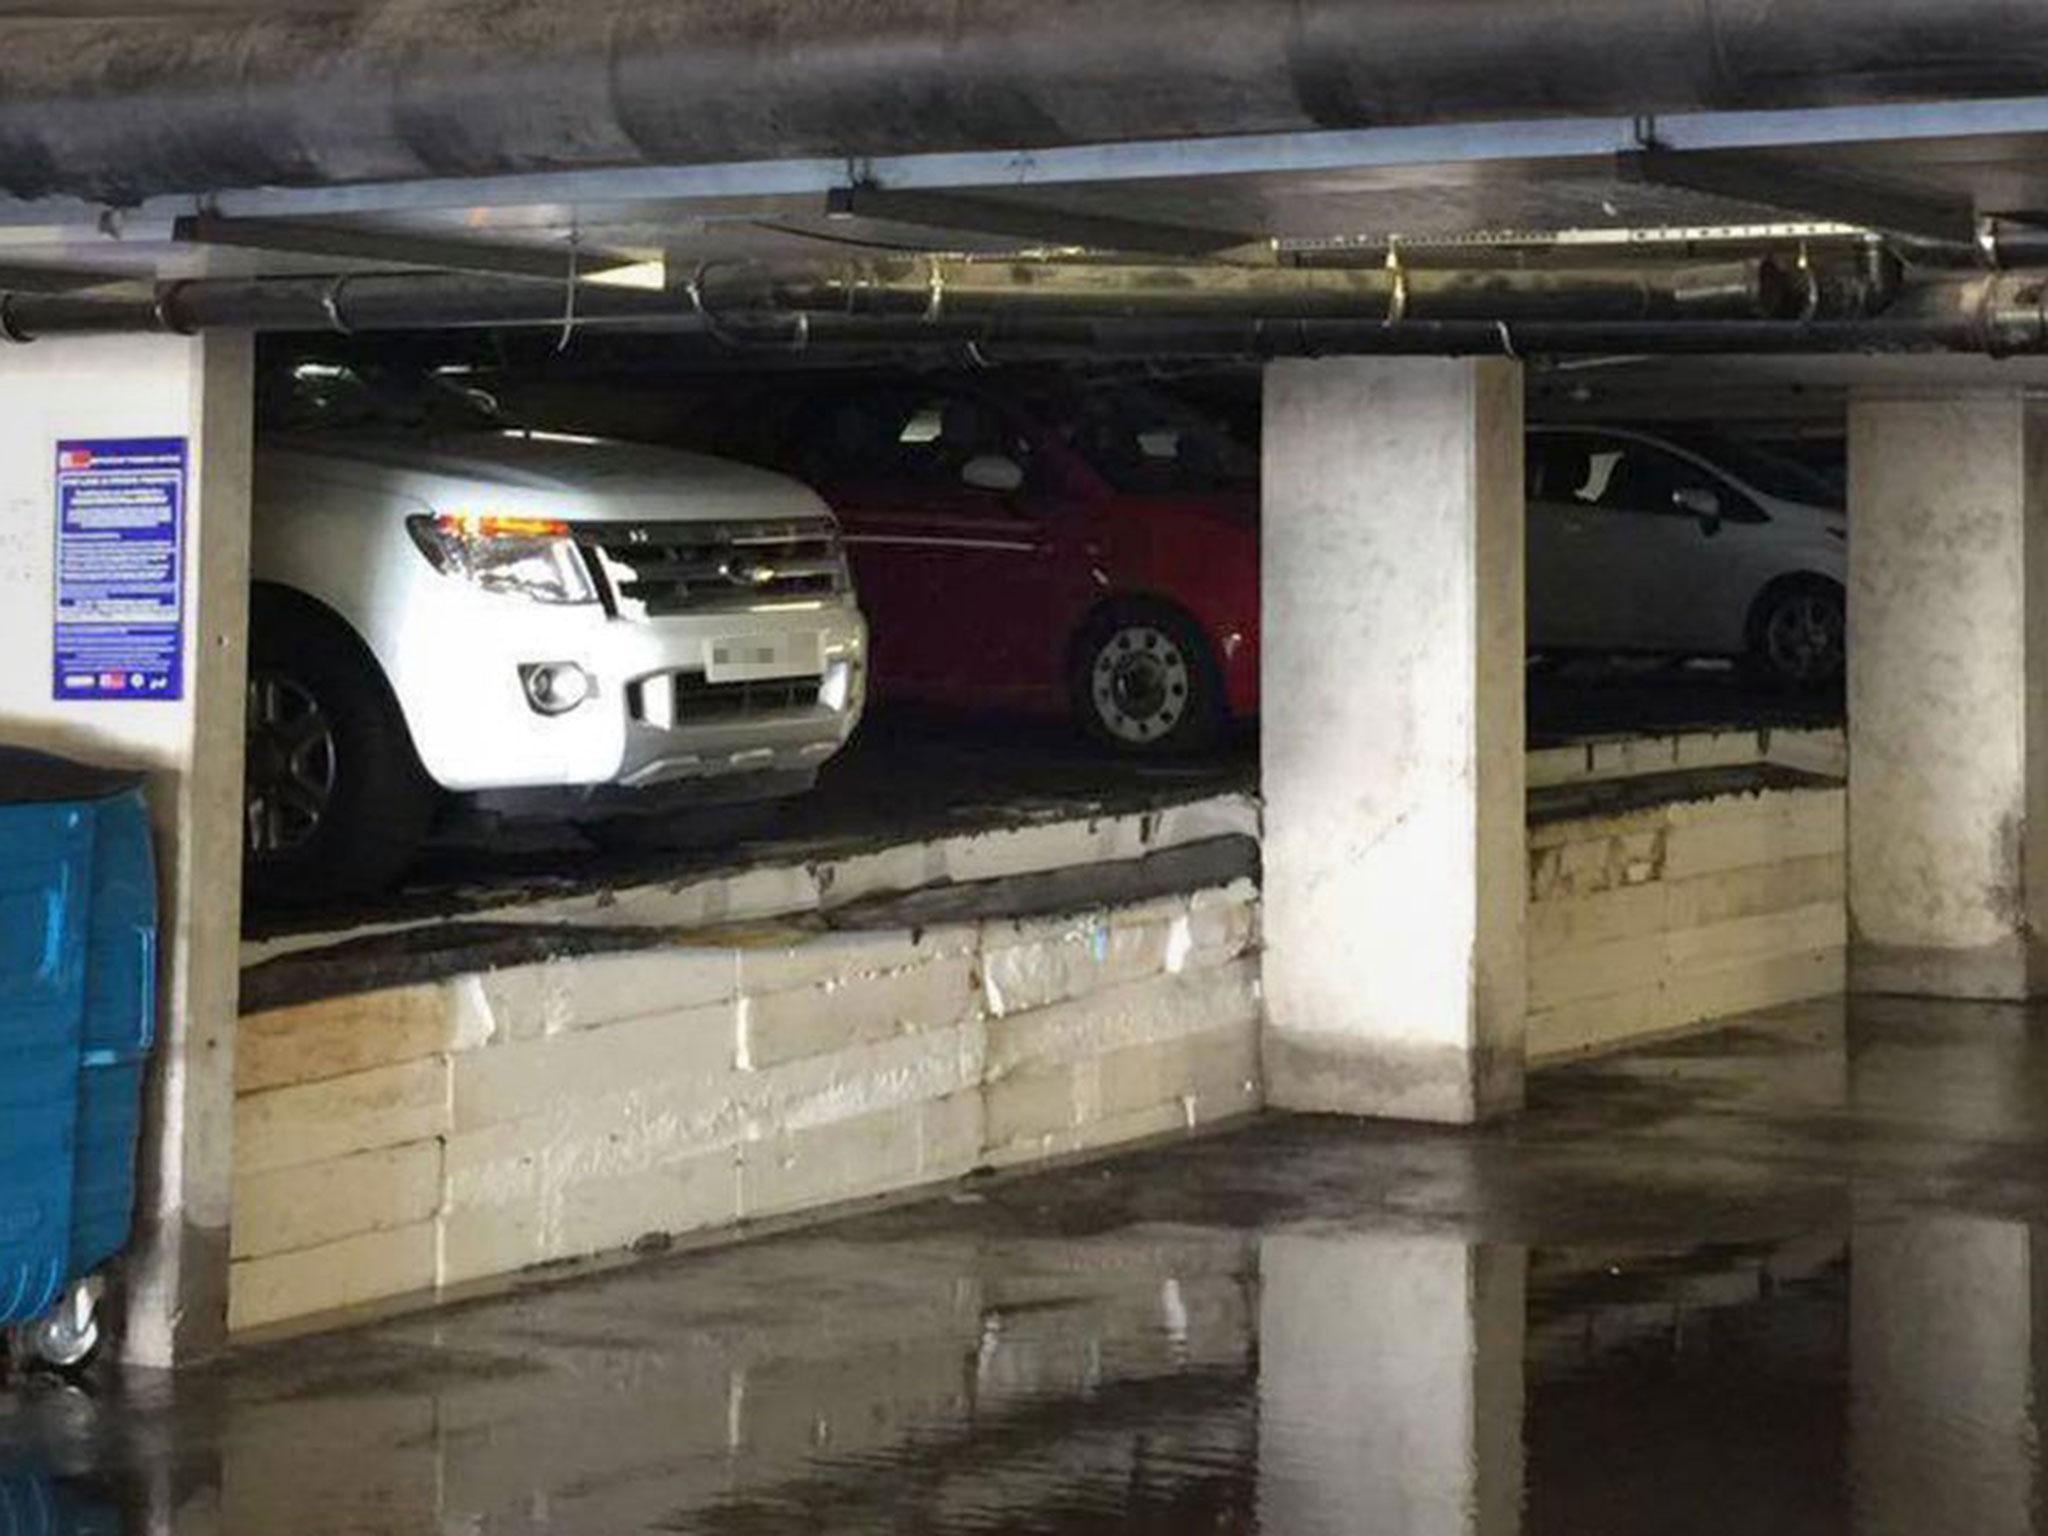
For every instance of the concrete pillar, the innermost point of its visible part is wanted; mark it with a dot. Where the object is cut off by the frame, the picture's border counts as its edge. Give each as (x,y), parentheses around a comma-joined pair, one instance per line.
(1390,1384)
(1943,1432)
(1948,734)
(1396,845)
(201,390)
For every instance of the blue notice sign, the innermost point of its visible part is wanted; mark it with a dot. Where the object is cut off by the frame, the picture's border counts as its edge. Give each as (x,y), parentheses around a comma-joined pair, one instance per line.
(120,568)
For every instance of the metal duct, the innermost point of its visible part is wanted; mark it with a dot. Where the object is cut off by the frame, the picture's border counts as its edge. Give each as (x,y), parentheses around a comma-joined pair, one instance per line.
(245,93)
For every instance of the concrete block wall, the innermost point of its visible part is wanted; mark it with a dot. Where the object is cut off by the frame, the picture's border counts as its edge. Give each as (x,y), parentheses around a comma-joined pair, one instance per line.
(438,1135)
(767,891)
(1822,750)
(1648,922)
(409,1140)
(341,1121)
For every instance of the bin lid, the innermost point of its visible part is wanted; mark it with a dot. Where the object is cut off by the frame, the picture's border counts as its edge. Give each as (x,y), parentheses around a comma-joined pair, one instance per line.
(28,777)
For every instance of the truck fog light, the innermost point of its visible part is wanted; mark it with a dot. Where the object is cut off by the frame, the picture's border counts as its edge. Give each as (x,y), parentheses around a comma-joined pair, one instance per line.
(837,688)
(556,687)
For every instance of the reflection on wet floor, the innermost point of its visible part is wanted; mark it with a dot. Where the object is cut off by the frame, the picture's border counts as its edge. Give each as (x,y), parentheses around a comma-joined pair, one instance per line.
(1782,1279)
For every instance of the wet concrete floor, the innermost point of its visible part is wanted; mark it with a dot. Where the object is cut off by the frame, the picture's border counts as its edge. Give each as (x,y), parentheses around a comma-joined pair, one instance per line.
(1783,1278)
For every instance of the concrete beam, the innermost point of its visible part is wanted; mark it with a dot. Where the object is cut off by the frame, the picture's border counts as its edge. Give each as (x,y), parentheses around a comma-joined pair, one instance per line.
(969,213)
(202,390)
(1396,855)
(1818,191)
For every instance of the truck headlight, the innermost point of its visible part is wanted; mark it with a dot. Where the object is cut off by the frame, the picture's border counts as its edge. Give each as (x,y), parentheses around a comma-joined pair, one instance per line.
(837,688)
(535,557)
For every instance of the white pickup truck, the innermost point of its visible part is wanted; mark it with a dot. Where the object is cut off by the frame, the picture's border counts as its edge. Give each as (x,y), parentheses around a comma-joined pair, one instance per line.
(552,624)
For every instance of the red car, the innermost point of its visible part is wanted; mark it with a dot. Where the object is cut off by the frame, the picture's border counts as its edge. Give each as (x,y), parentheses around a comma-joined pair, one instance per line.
(1042,544)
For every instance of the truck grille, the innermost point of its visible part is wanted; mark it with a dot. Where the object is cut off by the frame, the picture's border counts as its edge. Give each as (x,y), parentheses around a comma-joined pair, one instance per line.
(697,700)
(662,569)
(673,700)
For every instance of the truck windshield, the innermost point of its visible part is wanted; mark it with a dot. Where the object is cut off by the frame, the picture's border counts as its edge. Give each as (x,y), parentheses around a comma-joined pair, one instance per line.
(310,396)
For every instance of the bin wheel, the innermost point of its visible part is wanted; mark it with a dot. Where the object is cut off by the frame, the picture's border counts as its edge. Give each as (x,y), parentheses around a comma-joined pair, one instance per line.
(67,1337)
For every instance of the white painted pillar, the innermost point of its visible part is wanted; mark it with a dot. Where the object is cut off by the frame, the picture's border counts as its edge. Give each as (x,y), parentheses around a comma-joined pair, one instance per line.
(1948,727)
(1396,843)
(202,390)
(1942,1377)
(1390,1384)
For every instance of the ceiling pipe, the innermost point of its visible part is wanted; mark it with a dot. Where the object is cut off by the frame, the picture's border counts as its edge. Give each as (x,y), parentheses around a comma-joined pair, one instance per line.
(921,290)
(2000,245)
(1996,314)
(246,93)
(943,288)
(341,305)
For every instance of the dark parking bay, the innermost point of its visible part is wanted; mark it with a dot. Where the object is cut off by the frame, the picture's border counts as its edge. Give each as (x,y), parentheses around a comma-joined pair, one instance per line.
(913,773)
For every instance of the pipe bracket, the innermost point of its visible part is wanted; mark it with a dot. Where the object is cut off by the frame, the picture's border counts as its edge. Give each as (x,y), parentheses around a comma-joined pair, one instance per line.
(1809,308)
(1397,301)
(162,308)
(569,297)
(330,305)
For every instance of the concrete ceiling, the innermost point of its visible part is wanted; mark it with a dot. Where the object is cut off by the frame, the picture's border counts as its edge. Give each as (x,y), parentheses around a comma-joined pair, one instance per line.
(1922,169)
(1925,170)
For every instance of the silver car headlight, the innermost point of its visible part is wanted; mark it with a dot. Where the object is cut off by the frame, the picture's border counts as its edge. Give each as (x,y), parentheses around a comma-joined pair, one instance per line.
(531,557)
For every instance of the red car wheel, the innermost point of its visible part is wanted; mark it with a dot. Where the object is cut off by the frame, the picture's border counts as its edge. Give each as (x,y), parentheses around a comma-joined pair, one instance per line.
(1145,682)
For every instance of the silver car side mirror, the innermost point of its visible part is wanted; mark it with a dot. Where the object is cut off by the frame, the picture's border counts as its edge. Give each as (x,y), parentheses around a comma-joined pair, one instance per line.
(1702,504)
(992,472)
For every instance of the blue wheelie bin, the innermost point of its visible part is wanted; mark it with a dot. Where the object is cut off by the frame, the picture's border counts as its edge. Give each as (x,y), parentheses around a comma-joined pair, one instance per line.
(77,1015)
(37,1503)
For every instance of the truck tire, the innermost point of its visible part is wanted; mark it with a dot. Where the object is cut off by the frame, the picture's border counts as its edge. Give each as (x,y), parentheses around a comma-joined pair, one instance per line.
(335,803)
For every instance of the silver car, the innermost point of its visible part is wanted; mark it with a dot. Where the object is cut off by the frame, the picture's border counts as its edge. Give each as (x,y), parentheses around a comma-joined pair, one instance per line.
(1682,545)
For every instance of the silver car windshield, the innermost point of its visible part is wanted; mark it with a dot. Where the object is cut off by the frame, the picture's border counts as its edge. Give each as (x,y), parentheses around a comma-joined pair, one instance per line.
(1774,474)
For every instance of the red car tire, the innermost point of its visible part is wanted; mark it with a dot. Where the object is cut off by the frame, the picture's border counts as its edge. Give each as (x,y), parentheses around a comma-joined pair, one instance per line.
(1145,681)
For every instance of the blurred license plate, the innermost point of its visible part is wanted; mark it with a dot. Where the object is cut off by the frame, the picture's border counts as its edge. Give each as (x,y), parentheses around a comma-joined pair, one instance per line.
(757,656)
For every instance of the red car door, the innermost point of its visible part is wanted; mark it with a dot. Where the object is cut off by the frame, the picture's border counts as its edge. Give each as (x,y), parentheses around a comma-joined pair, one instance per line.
(959,558)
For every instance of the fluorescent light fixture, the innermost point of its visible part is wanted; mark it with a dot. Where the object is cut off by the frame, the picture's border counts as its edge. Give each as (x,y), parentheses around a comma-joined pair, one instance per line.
(536,435)
(650,276)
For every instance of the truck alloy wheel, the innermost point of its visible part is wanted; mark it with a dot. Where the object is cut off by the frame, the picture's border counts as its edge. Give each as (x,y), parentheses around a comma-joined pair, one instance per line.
(290,764)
